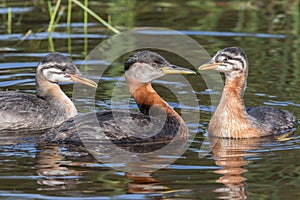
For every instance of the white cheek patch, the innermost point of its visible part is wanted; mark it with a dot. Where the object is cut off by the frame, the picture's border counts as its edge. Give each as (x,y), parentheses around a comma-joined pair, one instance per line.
(237,64)
(225,68)
(141,73)
(55,75)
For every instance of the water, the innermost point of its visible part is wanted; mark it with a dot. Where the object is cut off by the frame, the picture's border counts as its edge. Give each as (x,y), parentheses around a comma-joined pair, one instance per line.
(254,169)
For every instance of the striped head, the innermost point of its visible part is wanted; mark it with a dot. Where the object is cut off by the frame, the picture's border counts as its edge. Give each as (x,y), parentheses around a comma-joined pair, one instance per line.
(232,61)
(59,68)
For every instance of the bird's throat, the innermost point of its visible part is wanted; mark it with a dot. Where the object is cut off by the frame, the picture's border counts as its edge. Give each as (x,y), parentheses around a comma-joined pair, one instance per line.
(57,99)
(230,119)
(147,99)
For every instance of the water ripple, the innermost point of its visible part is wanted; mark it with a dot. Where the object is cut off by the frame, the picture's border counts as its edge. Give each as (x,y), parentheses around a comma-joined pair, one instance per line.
(46,35)
(212,33)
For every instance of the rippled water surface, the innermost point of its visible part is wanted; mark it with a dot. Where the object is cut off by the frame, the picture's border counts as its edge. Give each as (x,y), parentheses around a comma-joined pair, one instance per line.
(234,169)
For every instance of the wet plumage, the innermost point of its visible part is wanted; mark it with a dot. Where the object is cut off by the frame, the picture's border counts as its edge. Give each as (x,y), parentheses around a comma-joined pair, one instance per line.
(125,127)
(231,118)
(50,106)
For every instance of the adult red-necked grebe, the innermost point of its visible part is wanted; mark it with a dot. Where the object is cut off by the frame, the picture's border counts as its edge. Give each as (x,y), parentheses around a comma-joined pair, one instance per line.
(140,70)
(50,106)
(231,119)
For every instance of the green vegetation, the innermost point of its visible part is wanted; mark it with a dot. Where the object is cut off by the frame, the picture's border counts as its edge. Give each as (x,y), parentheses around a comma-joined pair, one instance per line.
(280,17)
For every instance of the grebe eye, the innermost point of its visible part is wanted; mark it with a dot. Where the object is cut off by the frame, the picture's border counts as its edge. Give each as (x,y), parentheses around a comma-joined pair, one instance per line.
(225,60)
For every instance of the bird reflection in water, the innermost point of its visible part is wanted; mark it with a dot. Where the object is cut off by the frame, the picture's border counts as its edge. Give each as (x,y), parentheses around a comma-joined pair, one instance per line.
(54,170)
(231,155)
(143,183)
(58,173)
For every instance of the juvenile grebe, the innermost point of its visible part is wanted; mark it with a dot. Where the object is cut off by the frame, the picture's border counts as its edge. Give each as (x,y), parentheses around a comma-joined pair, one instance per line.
(231,119)
(140,70)
(50,107)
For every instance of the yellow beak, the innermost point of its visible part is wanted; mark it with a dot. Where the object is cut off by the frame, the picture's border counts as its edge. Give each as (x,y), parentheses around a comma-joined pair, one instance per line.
(172,69)
(83,80)
(209,66)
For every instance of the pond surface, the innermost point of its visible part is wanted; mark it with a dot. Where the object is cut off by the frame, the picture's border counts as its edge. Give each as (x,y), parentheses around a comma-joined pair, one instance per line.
(234,169)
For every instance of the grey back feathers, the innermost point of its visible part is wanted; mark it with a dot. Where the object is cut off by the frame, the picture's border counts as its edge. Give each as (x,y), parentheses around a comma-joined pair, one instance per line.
(49,107)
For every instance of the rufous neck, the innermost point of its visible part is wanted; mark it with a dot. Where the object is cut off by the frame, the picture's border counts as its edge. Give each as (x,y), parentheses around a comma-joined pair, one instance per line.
(147,98)
(234,87)
(230,119)
(232,97)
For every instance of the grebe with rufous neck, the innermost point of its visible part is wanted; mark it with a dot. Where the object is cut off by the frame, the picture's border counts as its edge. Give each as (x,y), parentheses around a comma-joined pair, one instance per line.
(231,118)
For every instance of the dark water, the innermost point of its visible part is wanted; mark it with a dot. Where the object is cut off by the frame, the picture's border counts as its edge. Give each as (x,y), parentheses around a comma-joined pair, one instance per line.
(234,169)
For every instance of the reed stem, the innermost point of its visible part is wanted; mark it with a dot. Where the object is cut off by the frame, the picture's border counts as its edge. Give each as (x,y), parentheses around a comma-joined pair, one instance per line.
(53,14)
(92,13)
(85,28)
(69,18)
(9,20)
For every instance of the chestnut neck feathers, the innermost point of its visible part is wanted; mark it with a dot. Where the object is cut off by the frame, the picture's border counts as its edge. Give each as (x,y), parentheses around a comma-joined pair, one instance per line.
(147,98)
(140,70)
(231,119)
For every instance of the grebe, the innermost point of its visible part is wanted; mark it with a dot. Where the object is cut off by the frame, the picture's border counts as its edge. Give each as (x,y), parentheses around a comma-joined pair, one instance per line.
(231,119)
(140,70)
(51,106)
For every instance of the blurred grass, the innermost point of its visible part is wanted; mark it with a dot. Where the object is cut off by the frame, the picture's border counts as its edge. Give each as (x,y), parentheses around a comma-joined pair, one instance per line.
(251,16)
(55,18)
(97,17)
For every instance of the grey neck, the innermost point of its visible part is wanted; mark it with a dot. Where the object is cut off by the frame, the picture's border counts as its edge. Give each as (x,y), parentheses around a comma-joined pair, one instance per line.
(56,98)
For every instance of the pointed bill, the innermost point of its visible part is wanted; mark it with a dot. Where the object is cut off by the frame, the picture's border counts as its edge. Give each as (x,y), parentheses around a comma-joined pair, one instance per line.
(83,80)
(173,69)
(209,66)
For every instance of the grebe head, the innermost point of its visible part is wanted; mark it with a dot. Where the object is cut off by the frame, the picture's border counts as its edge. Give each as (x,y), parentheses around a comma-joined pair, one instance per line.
(145,66)
(59,68)
(232,61)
